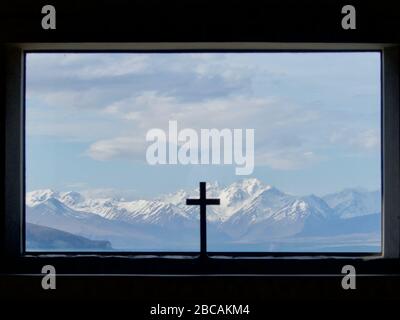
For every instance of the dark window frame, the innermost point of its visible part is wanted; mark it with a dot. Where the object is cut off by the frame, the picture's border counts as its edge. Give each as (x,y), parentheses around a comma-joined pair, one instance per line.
(192,262)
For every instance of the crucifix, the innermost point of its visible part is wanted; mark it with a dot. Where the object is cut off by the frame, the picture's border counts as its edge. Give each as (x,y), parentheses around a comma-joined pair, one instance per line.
(203,202)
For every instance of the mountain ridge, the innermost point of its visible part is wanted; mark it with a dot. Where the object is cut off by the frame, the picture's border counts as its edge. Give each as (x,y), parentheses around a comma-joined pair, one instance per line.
(250,211)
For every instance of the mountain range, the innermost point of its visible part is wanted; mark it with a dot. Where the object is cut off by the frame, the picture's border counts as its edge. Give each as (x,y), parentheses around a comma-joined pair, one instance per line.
(252,216)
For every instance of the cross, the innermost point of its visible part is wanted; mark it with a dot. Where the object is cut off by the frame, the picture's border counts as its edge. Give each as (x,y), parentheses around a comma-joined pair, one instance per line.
(203,202)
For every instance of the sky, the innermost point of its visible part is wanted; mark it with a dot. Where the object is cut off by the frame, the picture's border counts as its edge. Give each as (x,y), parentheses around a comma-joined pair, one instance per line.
(316,118)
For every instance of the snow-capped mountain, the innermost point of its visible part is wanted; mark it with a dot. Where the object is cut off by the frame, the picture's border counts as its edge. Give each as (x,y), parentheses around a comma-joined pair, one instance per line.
(36,197)
(351,203)
(232,198)
(141,235)
(250,212)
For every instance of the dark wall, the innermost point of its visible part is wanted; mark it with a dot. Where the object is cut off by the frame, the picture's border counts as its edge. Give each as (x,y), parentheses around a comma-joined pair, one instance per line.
(200,20)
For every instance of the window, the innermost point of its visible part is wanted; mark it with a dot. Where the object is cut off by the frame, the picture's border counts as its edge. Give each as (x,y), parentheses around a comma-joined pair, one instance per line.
(116,143)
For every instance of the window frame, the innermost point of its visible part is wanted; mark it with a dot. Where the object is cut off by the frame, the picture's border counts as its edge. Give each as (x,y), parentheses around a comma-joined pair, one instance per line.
(192,262)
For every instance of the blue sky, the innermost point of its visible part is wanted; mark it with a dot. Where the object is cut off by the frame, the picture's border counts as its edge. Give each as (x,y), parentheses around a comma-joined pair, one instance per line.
(316,118)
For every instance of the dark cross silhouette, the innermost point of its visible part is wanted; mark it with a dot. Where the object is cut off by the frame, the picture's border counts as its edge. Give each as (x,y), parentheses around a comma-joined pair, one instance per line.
(203,202)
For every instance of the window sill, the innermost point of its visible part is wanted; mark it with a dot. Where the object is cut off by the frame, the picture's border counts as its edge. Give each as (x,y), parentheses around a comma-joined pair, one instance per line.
(214,265)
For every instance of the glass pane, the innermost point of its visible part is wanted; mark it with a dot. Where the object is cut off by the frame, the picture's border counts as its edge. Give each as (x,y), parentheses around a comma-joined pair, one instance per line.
(289,143)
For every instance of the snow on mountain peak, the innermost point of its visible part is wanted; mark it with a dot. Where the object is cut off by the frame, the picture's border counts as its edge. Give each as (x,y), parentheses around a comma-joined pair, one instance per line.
(244,202)
(250,212)
(71,198)
(253,185)
(38,196)
(351,203)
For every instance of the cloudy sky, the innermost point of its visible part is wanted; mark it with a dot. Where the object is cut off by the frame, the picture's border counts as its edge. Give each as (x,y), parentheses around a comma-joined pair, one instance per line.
(316,118)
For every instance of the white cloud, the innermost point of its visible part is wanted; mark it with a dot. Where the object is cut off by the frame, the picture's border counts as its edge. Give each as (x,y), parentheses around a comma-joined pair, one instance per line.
(113,67)
(112,100)
(151,109)
(368,139)
(360,139)
(289,159)
(71,99)
(89,66)
(120,147)
(277,125)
